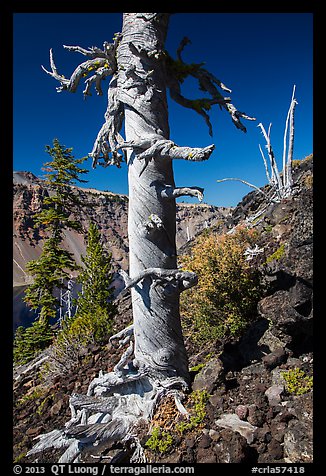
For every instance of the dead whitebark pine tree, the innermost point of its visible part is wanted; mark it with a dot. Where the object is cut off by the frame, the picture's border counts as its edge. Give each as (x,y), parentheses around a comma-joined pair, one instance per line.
(281,184)
(155,362)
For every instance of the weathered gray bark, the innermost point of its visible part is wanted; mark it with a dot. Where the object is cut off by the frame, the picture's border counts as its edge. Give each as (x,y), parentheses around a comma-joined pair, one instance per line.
(155,362)
(157,329)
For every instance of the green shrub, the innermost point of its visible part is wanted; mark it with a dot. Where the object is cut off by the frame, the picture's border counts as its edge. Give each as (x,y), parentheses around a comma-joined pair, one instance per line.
(35,394)
(268,228)
(28,342)
(92,327)
(159,441)
(197,368)
(20,457)
(70,345)
(228,290)
(277,255)
(40,408)
(198,400)
(297,382)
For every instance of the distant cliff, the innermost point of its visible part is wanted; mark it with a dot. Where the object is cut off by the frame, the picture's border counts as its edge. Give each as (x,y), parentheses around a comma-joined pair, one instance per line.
(108,210)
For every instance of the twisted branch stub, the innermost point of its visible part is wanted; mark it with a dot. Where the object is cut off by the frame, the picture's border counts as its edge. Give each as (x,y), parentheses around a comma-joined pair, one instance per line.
(181,280)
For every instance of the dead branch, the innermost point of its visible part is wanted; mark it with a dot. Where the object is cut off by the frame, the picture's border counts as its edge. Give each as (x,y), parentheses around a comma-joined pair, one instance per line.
(167,191)
(82,70)
(167,149)
(178,70)
(246,183)
(182,279)
(108,140)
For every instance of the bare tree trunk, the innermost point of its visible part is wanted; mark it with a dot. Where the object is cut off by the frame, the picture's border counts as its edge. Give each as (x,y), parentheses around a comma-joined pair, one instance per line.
(152,218)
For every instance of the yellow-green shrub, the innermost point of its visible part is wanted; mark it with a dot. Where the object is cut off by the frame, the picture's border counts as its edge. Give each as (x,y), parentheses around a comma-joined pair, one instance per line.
(277,255)
(89,328)
(228,289)
(198,400)
(159,441)
(70,345)
(297,382)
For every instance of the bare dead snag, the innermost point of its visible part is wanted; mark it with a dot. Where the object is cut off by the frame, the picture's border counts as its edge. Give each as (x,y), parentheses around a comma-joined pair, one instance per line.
(155,362)
(280,184)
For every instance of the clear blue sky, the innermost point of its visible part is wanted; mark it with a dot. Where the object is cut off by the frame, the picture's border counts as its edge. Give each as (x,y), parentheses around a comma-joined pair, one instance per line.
(260,56)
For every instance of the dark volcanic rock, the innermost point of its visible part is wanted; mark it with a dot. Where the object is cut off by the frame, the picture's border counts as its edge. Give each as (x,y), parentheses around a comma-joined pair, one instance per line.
(289,325)
(210,376)
(274,359)
(298,437)
(255,416)
(273,452)
(231,448)
(205,441)
(205,455)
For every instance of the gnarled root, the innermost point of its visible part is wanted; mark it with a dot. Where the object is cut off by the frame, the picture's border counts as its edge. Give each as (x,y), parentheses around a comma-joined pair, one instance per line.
(116,402)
